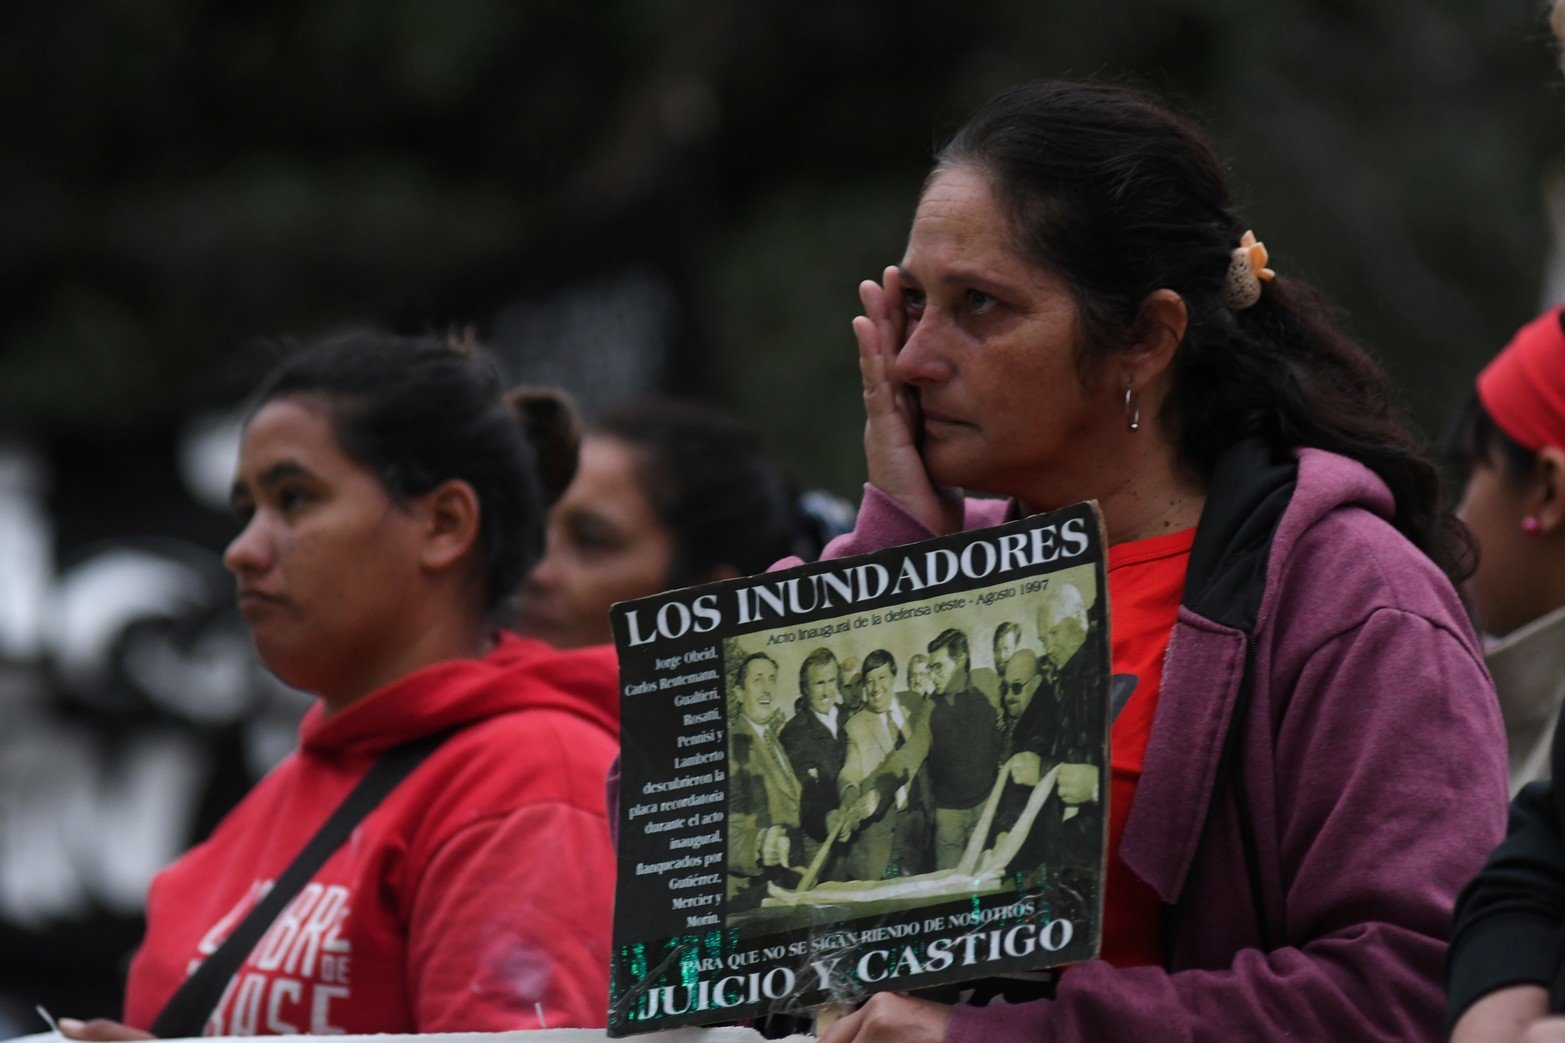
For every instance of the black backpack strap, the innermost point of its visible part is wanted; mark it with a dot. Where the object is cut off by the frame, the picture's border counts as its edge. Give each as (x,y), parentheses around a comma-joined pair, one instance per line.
(187,1011)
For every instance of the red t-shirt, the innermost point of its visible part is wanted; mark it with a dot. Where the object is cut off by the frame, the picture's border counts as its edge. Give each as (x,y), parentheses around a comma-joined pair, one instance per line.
(1146,581)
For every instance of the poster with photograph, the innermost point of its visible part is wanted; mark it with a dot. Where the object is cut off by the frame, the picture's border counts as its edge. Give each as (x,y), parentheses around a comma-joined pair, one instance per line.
(879,772)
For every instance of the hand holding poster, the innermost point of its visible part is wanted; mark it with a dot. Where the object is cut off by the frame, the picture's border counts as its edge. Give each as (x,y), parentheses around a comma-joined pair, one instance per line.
(871,773)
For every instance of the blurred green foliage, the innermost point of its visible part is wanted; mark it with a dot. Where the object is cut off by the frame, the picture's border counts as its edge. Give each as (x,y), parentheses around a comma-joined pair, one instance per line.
(181,178)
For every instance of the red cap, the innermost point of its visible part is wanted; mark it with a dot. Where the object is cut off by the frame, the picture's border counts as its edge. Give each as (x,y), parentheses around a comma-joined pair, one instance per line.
(1523,387)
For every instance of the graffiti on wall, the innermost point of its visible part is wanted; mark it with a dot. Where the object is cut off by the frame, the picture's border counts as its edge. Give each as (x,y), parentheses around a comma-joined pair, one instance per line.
(133,713)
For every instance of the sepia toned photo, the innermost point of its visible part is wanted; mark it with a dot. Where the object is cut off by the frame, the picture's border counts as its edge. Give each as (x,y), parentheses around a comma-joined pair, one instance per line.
(895,762)
(878,772)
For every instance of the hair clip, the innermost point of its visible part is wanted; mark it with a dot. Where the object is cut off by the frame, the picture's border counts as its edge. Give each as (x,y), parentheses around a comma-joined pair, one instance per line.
(1246,271)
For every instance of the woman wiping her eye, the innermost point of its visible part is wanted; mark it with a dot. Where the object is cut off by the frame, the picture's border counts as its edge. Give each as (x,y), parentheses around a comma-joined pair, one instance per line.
(1309,765)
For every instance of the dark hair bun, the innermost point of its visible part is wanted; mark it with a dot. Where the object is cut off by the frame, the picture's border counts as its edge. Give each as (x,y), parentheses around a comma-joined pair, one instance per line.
(549,420)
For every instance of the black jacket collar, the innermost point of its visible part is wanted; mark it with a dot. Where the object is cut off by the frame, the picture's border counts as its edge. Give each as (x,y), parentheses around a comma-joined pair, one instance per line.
(1250,488)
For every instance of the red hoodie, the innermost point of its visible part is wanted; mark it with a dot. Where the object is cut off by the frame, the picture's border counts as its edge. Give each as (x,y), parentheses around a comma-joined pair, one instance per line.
(476,897)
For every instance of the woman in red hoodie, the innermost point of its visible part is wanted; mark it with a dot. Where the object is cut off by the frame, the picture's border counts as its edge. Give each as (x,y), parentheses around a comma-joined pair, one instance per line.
(391,506)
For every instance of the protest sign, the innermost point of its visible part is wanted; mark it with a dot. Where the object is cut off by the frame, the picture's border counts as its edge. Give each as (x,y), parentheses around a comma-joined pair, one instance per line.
(879,772)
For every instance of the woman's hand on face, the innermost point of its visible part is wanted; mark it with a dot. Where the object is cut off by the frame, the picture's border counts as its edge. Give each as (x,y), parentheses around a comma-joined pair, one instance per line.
(100,1029)
(892,1018)
(891,419)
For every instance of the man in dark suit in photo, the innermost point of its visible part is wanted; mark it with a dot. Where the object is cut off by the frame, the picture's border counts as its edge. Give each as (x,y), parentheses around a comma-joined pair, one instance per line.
(964,747)
(1007,639)
(763,791)
(817,744)
(1051,700)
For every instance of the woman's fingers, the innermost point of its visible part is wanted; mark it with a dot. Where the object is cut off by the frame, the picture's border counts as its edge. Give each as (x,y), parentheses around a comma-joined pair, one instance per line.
(891,449)
(894,335)
(879,334)
(890,1017)
(872,296)
(883,306)
(878,392)
(891,280)
(100,1029)
(883,398)
(844,1029)
(880,302)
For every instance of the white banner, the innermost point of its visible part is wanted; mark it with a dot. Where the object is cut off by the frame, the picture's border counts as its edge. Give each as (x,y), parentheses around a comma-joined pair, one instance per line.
(682,1035)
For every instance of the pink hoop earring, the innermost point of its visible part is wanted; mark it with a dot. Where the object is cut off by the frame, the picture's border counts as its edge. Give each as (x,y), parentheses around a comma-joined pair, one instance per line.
(1531,525)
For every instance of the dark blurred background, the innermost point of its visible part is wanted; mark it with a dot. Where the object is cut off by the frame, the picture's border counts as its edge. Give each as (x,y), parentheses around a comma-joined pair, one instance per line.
(620,197)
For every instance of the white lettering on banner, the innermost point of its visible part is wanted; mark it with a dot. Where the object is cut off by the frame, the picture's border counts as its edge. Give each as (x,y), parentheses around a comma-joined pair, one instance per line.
(320,1023)
(247,1005)
(293,942)
(869,966)
(783,595)
(297,970)
(280,935)
(292,991)
(253,994)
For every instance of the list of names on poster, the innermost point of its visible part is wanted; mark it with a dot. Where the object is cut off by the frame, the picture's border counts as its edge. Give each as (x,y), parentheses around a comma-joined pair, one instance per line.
(681,815)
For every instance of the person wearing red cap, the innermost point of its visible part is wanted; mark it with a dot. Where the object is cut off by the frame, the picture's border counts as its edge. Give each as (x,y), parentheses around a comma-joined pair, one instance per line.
(1510,437)
(1504,972)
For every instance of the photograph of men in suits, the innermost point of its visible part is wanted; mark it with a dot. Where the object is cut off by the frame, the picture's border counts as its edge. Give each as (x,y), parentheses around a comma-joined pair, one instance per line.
(816,745)
(763,791)
(964,747)
(884,792)
(1051,699)
(1007,639)
(920,686)
(1018,683)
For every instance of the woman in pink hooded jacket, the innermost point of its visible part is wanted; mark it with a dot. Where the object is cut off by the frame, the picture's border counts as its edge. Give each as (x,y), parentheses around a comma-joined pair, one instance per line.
(1311,762)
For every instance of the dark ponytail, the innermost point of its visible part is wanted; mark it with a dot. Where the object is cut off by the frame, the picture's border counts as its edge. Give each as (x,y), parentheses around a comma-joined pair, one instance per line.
(1121,197)
(550,424)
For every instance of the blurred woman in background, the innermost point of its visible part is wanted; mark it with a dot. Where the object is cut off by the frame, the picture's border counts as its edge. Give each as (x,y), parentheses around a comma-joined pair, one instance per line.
(391,506)
(1507,957)
(1506,971)
(667,494)
(1510,439)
